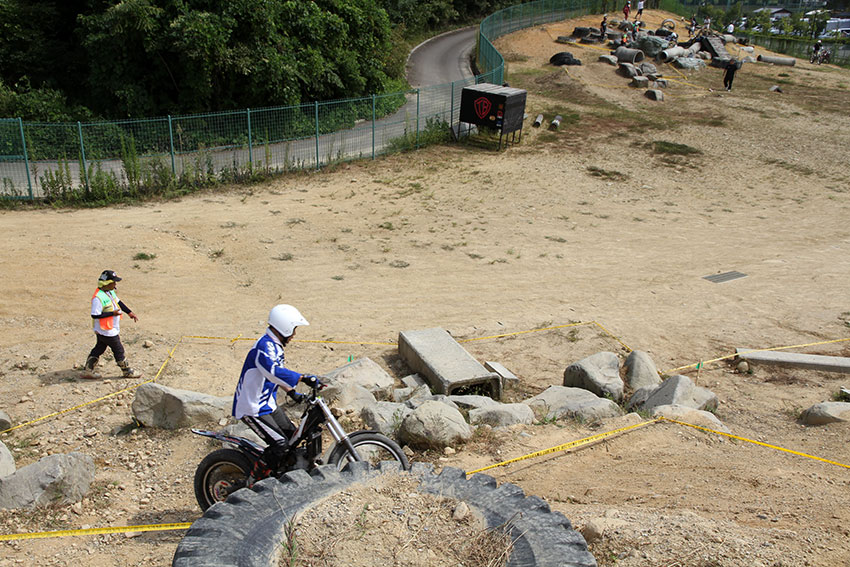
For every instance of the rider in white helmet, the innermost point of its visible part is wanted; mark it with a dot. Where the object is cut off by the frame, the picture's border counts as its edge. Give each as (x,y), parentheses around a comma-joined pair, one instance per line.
(255,400)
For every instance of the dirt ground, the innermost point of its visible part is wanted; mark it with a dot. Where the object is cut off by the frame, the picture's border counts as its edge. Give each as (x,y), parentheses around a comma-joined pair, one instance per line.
(596,222)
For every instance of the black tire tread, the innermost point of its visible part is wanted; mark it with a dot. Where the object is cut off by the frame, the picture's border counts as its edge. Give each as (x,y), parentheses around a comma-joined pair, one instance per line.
(246,530)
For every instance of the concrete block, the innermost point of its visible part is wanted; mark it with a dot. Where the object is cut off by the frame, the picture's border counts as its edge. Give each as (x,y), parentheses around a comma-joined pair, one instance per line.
(444,364)
(509,379)
(796,360)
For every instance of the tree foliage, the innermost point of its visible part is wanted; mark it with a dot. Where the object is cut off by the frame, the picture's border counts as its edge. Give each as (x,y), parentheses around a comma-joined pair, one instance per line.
(133,58)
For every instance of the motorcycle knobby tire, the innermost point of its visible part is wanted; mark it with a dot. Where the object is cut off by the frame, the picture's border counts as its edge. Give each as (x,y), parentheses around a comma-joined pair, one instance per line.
(367,439)
(220,474)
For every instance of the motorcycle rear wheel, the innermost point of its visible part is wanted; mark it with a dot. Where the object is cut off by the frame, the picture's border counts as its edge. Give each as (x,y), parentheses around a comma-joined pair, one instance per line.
(220,474)
(372,447)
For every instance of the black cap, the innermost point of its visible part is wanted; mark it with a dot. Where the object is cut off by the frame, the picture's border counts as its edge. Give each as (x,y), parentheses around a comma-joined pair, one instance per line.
(109,275)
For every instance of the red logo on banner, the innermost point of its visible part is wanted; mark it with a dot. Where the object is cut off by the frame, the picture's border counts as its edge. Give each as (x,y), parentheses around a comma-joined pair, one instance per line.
(482,106)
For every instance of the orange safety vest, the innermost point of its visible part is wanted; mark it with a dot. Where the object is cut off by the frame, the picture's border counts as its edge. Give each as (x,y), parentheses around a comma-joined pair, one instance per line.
(108,305)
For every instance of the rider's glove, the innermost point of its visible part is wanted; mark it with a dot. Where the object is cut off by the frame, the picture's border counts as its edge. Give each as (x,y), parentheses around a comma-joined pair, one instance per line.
(296,397)
(311,380)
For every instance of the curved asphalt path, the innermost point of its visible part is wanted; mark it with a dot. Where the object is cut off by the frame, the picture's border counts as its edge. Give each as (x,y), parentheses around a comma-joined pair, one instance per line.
(442,59)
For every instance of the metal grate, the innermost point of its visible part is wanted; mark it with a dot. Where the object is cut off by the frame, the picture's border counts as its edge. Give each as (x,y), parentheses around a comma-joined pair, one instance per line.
(724,277)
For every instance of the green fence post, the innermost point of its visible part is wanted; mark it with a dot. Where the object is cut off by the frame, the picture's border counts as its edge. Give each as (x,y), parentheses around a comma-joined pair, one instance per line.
(83,156)
(417,118)
(452,109)
(317,133)
(250,145)
(26,156)
(171,143)
(373,126)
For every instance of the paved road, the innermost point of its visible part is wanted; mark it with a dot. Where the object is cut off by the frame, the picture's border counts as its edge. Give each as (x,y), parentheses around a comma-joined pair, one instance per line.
(442,59)
(436,63)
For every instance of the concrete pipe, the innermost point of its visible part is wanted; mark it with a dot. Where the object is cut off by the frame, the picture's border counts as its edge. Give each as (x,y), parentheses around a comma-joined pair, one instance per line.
(538,121)
(555,122)
(628,55)
(789,61)
(671,53)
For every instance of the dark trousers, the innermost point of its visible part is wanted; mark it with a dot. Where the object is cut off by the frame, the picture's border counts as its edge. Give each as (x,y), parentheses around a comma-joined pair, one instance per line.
(728,77)
(271,427)
(114,343)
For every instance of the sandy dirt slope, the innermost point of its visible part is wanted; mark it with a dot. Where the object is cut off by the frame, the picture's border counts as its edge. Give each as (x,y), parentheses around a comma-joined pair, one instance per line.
(587,223)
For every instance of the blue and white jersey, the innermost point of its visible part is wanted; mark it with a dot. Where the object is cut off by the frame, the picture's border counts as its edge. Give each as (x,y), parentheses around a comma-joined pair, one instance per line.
(262,373)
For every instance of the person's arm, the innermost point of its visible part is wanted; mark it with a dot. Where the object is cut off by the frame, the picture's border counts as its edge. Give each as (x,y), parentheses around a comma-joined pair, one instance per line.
(97,309)
(127,310)
(276,372)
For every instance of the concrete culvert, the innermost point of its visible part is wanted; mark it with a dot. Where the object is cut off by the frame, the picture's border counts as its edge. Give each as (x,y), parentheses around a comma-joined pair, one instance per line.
(628,55)
(789,61)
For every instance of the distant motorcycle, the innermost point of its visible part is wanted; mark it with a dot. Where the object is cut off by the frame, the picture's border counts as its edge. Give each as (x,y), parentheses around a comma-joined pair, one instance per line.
(822,56)
(225,471)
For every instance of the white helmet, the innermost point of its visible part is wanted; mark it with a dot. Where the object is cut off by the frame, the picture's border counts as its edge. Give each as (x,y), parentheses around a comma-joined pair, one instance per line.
(284,318)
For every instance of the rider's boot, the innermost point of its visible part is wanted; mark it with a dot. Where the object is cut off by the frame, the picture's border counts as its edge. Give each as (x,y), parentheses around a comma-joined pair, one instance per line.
(126,371)
(88,369)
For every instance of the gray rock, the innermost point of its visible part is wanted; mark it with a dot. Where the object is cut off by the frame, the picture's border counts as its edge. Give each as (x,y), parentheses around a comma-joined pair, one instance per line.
(627,70)
(775,89)
(641,371)
(473,401)
(363,372)
(558,402)
(385,417)
(654,94)
(691,63)
(419,395)
(610,59)
(348,397)
(690,415)
(434,424)
(826,412)
(599,373)
(639,82)
(7,461)
(62,479)
(660,83)
(502,415)
(639,396)
(648,68)
(5,421)
(402,394)
(413,381)
(680,390)
(651,45)
(169,408)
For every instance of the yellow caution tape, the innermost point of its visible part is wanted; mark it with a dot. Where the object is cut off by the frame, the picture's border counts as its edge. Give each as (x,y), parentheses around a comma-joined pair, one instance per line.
(97,531)
(798,453)
(565,446)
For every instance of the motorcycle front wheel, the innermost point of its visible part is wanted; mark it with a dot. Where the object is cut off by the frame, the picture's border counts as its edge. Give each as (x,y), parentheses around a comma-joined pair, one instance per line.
(219,475)
(372,447)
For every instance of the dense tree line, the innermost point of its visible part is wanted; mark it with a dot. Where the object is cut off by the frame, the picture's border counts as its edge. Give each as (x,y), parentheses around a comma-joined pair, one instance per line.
(80,59)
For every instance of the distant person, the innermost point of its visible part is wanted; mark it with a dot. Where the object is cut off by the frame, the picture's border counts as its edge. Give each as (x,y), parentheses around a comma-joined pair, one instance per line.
(672,39)
(706,24)
(106,311)
(627,7)
(603,26)
(817,47)
(692,27)
(639,9)
(730,29)
(729,75)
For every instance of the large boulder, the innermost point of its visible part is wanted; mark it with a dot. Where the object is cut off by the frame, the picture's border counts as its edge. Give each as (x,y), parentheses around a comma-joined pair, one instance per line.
(651,45)
(348,397)
(434,425)
(502,415)
(363,372)
(169,408)
(599,373)
(826,412)
(641,371)
(557,402)
(680,390)
(690,415)
(385,417)
(62,478)
(7,461)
